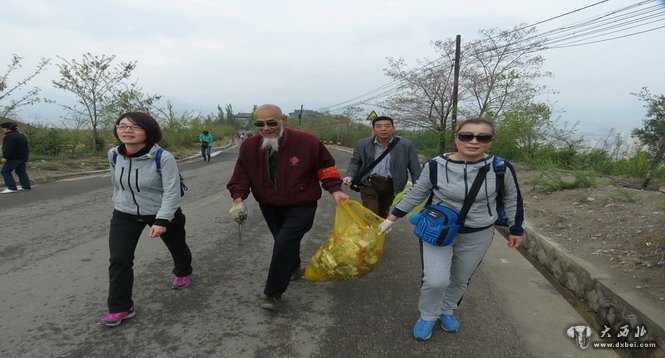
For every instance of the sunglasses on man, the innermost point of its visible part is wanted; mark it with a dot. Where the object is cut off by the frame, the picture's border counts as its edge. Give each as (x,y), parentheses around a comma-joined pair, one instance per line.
(468,136)
(269,123)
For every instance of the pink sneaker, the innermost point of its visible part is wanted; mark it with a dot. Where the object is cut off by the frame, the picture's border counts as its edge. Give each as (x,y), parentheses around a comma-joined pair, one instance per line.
(115,318)
(181,281)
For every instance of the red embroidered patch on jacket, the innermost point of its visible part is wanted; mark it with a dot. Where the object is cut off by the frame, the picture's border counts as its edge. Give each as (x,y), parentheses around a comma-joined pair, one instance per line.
(294,161)
(327,173)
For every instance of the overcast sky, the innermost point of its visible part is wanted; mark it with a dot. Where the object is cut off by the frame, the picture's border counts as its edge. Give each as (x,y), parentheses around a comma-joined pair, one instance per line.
(201,53)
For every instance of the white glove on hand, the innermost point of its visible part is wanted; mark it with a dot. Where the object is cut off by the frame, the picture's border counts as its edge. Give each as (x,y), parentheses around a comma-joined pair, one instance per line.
(347,180)
(384,227)
(238,212)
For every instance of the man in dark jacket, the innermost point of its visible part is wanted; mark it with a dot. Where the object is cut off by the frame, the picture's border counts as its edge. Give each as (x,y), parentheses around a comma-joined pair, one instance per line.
(14,158)
(387,177)
(284,169)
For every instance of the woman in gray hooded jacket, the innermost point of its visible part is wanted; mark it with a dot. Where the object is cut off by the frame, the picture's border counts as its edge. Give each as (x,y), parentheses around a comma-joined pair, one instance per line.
(144,193)
(448,269)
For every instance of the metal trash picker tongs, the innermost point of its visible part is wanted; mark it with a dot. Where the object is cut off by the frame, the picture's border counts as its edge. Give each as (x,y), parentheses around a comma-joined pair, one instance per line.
(241,222)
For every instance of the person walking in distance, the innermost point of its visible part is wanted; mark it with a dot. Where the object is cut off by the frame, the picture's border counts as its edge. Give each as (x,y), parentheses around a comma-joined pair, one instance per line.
(389,176)
(448,269)
(14,158)
(144,193)
(284,169)
(206,145)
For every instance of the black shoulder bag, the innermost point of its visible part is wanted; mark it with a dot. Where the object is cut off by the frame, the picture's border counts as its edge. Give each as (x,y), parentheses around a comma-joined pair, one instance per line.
(357,180)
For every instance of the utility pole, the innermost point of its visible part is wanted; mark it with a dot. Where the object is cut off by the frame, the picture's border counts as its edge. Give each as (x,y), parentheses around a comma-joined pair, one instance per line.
(453,123)
(300,116)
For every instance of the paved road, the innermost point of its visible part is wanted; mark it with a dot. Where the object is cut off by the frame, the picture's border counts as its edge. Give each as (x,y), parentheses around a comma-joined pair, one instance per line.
(53,269)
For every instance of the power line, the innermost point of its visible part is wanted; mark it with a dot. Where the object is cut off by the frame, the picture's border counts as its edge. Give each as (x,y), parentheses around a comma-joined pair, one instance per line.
(612,38)
(586,31)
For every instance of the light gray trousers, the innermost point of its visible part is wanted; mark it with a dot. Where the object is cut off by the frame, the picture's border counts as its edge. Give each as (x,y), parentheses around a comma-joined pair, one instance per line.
(447,271)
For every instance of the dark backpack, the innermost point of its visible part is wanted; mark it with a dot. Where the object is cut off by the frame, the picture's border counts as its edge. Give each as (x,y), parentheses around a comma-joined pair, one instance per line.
(499,167)
(158,162)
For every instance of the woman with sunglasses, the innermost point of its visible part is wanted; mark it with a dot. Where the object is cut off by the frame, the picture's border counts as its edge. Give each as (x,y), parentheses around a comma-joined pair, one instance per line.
(143,194)
(448,269)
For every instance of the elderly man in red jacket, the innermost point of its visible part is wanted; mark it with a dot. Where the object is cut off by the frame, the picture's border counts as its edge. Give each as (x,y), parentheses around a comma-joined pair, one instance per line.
(284,169)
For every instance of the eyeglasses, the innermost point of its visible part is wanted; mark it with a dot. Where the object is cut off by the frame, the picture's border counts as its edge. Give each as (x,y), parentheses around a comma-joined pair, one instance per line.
(122,127)
(468,136)
(269,123)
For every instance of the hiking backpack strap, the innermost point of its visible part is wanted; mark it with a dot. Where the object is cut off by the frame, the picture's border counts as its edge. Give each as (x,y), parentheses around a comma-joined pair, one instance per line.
(499,166)
(158,160)
(114,158)
(433,173)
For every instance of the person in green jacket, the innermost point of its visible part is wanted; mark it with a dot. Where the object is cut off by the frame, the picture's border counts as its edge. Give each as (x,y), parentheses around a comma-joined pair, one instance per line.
(206,145)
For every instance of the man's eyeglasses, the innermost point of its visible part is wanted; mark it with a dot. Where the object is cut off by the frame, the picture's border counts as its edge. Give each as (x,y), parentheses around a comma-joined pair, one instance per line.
(134,127)
(269,123)
(468,136)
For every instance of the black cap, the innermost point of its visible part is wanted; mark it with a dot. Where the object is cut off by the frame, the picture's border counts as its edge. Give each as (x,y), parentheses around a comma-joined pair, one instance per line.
(382,118)
(8,125)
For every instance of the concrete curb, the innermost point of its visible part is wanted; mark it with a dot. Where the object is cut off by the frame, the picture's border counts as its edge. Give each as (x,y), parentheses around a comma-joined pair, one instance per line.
(608,302)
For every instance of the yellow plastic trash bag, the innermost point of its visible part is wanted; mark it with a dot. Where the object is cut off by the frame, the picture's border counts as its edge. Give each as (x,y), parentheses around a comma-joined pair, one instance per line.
(354,247)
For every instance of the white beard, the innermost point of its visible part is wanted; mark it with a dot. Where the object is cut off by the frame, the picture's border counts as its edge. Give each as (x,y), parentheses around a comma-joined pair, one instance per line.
(272,143)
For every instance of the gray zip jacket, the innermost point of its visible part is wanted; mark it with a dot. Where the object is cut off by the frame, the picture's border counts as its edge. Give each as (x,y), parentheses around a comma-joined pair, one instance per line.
(139,190)
(454,181)
(402,157)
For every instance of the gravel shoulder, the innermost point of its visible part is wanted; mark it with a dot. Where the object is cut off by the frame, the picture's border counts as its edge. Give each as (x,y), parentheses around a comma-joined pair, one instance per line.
(613,225)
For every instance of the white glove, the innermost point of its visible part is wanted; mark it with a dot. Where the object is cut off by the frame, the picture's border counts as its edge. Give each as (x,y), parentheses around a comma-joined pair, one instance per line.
(238,211)
(347,180)
(384,227)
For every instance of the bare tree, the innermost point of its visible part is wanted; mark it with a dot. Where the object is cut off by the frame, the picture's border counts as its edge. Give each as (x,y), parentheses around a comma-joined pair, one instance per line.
(355,113)
(95,81)
(172,120)
(500,71)
(652,134)
(424,99)
(497,74)
(10,105)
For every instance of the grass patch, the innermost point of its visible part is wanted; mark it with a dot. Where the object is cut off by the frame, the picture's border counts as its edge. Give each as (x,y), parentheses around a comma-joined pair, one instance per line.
(551,181)
(623,196)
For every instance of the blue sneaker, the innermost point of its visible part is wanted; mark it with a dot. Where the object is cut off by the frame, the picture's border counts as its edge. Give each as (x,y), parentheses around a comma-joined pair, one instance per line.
(423,329)
(449,323)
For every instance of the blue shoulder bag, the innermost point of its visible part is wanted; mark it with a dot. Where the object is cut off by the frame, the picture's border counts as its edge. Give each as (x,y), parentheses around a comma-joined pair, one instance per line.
(437,224)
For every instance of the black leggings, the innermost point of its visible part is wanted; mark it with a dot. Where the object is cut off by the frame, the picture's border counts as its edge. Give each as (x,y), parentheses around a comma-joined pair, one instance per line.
(123,237)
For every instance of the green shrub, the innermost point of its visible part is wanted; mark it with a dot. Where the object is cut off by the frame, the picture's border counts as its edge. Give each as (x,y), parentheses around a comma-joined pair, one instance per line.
(636,167)
(49,141)
(598,160)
